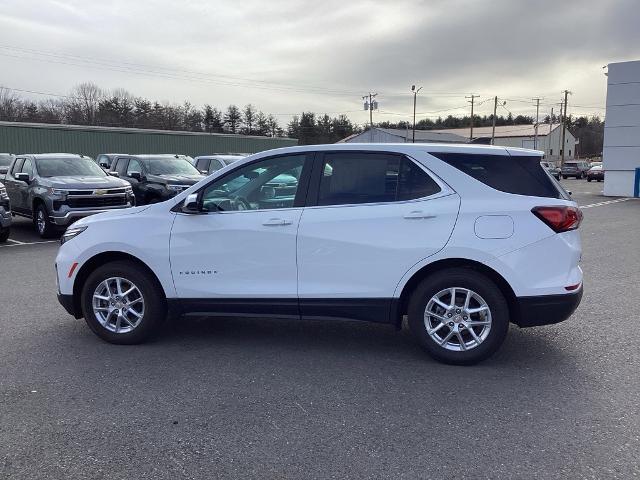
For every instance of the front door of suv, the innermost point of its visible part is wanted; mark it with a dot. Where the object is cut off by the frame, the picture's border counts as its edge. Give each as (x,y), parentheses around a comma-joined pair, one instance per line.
(242,247)
(375,216)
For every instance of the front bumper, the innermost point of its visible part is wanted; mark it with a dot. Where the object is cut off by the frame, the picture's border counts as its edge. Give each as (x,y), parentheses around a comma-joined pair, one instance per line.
(546,309)
(73,215)
(69,305)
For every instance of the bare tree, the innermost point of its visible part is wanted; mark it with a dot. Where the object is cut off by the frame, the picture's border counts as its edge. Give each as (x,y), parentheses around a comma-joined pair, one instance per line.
(10,105)
(86,98)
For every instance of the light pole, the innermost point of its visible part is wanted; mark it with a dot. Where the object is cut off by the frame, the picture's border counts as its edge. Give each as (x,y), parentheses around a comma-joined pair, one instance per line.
(415,94)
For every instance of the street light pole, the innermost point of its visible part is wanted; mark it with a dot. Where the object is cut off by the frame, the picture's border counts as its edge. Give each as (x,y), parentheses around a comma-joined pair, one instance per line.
(415,94)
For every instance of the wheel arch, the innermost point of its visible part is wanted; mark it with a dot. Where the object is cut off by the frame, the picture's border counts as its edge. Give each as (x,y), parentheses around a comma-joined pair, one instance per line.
(98,260)
(34,204)
(401,304)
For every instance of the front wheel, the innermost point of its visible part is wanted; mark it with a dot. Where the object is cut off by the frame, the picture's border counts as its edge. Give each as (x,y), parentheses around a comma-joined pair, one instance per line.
(459,316)
(564,177)
(43,224)
(588,179)
(123,303)
(4,234)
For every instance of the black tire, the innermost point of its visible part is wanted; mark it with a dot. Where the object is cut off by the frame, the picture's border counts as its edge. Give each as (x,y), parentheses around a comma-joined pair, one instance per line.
(4,234)
(155,303)
(46,229)
(462,278)
(564,177)
(588,179)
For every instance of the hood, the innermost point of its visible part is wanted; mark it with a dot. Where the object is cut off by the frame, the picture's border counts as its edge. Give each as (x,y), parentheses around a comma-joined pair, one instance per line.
(85,182)
(176,179)
(121,212)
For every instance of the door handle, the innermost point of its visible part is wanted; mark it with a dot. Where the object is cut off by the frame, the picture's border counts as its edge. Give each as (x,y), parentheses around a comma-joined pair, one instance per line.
(275,222)
(418,214)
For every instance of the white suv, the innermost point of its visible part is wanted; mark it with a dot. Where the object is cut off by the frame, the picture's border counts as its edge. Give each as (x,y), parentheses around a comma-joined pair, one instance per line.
(461,239)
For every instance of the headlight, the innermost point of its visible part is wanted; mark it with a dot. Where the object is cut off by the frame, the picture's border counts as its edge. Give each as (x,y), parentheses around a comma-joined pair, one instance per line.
(128,189)
(176,188)
(71,232)
(57,191)
(3,192)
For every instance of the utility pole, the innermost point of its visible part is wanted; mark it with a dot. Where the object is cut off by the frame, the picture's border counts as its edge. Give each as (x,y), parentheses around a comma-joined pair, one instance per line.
(535,135)
(495,112)
(549,134)
(564,126)
(472,97)
(371,105)
(560,136)
(415,94)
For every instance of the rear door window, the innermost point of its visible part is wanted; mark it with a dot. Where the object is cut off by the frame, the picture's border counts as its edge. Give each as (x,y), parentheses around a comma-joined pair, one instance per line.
(364,177)
(519,174)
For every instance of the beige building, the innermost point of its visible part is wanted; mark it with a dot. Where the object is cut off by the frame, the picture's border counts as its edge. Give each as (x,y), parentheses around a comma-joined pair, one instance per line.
(523,136)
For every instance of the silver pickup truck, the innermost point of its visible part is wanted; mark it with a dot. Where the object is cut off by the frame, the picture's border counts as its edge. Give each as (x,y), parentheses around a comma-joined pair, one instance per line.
(56,189)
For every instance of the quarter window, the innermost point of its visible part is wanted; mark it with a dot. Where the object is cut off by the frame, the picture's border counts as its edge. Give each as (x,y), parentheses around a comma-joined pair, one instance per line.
(267,184)
(354,178)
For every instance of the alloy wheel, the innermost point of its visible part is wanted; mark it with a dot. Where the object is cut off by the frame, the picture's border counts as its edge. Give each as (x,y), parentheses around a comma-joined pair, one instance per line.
(118,305)
(41,222)
(457,319)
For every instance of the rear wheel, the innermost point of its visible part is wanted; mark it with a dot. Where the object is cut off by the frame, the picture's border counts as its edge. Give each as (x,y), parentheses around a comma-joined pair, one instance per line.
(4,234)
(123,303)
(459,316)
(41,221)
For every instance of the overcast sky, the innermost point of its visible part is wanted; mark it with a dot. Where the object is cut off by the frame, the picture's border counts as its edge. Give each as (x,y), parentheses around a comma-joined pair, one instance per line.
(285,56)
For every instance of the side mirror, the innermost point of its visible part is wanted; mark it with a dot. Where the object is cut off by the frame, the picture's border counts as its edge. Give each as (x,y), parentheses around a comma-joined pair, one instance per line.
(191,204)
(23,177)
(113,174)
(4,170)
(136,175)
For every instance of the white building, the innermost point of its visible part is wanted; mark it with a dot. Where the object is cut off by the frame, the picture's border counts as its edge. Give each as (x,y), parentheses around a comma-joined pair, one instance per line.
(621,152)
(523,136)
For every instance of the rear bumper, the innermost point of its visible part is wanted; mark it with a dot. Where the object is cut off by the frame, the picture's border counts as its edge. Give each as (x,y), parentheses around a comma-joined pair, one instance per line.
(546,309)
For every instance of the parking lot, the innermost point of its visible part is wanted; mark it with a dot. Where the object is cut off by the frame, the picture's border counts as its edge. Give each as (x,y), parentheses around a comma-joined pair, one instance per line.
(244,397)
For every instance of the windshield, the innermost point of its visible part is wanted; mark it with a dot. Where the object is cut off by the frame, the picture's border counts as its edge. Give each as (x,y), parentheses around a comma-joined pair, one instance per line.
(169,166)
(5,160)
(68,167)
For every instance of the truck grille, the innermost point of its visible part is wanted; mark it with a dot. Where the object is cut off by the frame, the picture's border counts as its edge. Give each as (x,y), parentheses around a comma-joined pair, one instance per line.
(97,201)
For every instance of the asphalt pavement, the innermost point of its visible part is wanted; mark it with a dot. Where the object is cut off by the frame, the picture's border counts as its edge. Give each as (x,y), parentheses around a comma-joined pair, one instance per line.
(256,398)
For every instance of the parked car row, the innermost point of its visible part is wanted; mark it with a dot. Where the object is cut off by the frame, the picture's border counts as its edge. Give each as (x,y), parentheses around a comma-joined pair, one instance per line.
(56,189)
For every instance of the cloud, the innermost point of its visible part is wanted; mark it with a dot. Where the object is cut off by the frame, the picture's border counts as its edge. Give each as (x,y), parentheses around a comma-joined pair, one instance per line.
(322,56)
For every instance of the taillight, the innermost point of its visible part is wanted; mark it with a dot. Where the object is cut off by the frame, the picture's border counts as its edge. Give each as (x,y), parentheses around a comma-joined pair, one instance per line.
(559,219)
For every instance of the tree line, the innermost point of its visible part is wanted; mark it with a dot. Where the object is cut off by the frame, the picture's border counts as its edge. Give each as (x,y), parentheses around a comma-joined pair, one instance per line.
(88,104)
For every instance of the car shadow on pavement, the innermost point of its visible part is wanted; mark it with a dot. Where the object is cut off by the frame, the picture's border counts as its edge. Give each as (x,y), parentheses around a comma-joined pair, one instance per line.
(339,338)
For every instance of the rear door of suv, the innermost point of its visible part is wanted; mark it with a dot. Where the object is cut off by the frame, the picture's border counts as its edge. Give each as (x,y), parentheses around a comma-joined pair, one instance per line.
(370,217)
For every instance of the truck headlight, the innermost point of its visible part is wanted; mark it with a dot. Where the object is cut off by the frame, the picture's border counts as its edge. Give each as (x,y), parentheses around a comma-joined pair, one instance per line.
(72,232)
(57,191)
